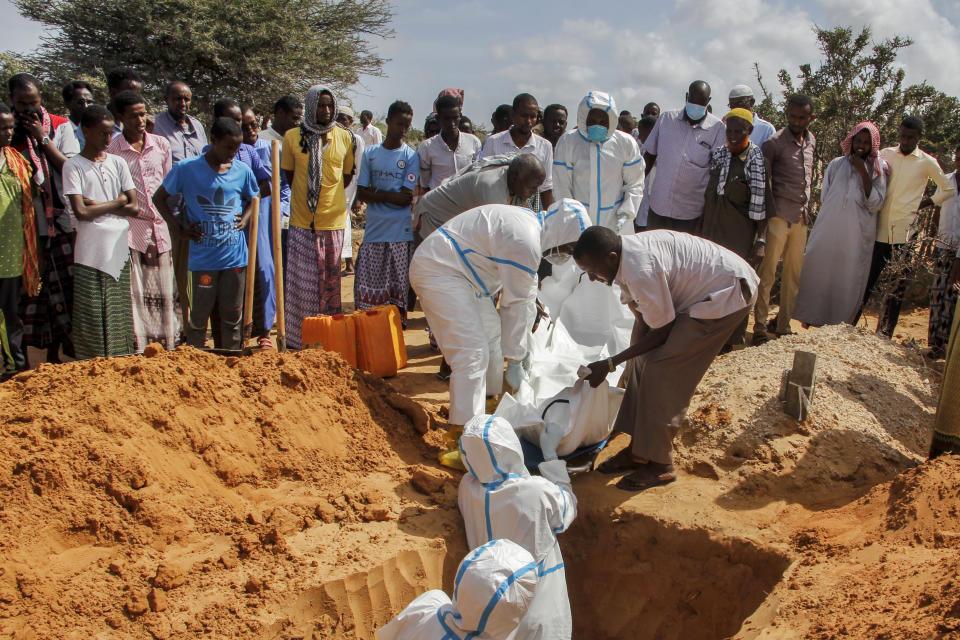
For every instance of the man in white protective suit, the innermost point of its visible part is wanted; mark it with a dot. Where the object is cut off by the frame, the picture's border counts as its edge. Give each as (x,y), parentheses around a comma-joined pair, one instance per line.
(494,587)
(600,166)
(500,499)
(456,272)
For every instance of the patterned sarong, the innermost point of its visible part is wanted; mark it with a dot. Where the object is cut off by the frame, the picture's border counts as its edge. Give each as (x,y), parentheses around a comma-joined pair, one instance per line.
(155,299)
(102,314)
(942,302)
(312,286)
(383,274)
(47,316)
(946,427)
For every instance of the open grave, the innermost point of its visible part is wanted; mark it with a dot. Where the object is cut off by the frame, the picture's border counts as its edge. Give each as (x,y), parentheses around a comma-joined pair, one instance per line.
(183,495)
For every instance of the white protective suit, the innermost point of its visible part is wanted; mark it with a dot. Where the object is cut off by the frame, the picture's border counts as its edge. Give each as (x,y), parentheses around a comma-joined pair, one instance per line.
(607,177)
(460,266)
(494,587)
(500,499)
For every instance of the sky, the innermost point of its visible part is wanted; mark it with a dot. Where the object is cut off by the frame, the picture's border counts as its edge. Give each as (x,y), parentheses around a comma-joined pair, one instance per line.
(639,51)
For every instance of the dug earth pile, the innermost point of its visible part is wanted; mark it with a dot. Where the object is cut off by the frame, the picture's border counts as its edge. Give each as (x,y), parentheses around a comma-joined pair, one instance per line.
(184,495)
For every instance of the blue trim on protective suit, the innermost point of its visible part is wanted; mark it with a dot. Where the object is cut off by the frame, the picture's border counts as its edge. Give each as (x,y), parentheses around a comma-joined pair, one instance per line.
(463,257)
(563,514)
(466,564)
(501,590)
(545,572)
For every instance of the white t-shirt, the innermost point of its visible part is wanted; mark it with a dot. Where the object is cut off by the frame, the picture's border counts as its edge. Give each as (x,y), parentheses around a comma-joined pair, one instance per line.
(102,242)
(438,163)
(65,140)
(949,230)
(371,135)
(502,142)
(666,273)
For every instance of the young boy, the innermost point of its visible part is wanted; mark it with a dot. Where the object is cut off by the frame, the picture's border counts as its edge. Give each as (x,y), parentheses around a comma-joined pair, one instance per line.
(388,175)
(18,244)
(103,197)
(218,192)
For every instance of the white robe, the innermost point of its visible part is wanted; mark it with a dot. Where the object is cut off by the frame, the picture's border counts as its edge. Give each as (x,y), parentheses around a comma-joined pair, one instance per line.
(836,263)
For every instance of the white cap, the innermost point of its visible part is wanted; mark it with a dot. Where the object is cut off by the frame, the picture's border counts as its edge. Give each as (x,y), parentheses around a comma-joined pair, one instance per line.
(741,91)
(347,111)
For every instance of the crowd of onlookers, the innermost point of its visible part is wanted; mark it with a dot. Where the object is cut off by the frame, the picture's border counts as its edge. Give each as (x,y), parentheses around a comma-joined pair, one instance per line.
(119,227)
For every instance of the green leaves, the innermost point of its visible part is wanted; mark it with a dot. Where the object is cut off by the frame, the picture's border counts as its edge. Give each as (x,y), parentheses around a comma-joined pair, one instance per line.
(858,79)
(251,50)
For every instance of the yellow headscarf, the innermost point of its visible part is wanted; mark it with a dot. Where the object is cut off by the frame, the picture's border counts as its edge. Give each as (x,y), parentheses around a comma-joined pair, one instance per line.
(743,114)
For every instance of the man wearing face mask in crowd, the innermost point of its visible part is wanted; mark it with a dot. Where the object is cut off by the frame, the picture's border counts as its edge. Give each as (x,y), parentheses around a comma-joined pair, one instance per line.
(600,165)
(680,146)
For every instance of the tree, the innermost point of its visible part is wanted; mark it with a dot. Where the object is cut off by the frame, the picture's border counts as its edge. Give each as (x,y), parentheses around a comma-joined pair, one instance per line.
(858,80)
(251,50)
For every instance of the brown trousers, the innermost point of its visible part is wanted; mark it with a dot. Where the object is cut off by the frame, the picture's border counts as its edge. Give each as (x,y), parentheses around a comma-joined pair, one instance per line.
(662,382)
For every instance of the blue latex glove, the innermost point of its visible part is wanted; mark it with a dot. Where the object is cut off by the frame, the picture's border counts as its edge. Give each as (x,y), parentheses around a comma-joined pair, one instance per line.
(514,375)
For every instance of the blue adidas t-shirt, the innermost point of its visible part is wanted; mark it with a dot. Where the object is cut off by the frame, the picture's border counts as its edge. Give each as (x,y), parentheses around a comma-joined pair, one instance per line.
(388,170)
(214,200)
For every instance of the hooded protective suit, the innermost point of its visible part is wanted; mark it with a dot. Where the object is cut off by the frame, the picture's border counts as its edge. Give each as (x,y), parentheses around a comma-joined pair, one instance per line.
(500,499)
(457,269)
(495,585)
(607,177)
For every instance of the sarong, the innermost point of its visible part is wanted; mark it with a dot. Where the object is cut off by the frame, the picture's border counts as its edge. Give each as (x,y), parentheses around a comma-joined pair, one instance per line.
(102,313)
(943,300)
(946,426)
(47,316)
(156,301)
(313,278)
(663,380)
(383,274)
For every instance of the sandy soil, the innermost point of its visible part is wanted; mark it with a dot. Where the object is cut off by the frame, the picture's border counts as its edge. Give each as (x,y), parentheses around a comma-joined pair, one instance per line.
(182,495)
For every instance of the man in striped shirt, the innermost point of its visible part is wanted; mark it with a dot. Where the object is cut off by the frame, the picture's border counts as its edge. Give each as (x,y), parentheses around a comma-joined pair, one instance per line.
(153,286)
(679,147)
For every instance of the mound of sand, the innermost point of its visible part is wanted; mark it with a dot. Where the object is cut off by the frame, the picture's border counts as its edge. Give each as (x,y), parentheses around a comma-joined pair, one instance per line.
(885,566)
(872,417)
(180,494)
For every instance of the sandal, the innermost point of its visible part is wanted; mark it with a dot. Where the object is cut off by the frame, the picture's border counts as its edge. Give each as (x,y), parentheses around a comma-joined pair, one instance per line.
(264,343)
(651,474)
(619,463)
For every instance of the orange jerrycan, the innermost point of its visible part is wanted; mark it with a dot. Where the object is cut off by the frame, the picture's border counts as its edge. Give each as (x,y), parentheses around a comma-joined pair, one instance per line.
(381,350)
(333,333)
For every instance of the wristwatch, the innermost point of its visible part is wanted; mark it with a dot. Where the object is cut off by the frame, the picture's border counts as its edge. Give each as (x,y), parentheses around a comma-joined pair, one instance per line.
(44,140)
(610,365)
